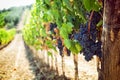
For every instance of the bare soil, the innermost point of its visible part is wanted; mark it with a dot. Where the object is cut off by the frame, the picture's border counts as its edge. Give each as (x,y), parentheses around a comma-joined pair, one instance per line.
(13,62)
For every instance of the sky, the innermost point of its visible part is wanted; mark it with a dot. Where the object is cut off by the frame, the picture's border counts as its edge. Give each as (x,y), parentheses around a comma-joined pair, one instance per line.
(11,3)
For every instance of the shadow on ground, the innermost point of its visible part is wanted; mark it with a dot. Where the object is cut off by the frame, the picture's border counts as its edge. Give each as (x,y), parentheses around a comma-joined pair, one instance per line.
(39,68)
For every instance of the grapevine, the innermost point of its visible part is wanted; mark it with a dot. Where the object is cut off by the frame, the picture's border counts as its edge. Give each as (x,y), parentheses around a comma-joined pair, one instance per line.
(62,27)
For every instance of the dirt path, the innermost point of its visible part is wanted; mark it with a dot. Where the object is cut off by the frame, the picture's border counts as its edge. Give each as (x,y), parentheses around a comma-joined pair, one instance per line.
(14,64)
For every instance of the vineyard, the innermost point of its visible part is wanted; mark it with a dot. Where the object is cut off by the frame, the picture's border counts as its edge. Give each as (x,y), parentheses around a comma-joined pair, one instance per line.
(67,27)
(8,21)
(67,39)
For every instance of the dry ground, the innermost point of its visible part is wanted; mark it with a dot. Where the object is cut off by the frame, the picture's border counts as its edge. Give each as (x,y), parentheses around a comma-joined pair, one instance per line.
(13,62)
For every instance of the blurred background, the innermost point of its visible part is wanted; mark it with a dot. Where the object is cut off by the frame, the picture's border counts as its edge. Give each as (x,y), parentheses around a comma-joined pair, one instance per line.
(5,4)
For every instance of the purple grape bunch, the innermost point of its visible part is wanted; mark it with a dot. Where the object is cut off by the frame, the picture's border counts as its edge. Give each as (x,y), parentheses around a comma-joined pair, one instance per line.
(88,40)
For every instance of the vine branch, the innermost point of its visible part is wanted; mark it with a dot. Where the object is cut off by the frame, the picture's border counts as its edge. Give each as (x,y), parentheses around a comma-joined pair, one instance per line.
(91,15)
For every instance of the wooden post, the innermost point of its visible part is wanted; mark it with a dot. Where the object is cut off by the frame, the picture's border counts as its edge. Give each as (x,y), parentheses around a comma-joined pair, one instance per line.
(110,63)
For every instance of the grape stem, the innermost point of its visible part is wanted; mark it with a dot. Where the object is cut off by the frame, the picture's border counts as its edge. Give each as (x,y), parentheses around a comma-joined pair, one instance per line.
(91,15)
(101,14)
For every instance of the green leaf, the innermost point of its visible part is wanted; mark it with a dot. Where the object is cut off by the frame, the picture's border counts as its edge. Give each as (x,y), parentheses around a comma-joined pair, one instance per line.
(69,27)
(66,29)
(49,54)
(67,4)
(78,47)
(43,32)
(100,23)
(88,4)
(63,33)
(67,43)
(55,13)
(91,5)
(75,47)
(47,1)
(54,48)
(49,44)
(96,6)
(74,50)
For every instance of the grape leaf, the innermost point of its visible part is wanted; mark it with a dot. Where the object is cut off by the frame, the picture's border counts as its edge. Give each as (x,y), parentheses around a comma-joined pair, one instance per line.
(100,23)
(63,33)
(96,6)
(88,4)
(66,29)
(91,5)
(78,46)
(67,4)
(43,32)
(68,26)
(67,43)
(47,1)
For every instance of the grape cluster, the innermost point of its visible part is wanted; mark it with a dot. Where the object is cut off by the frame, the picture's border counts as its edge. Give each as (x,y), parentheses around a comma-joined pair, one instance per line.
(52,26)
(60,46)
(68,52)
(96,17)
(88,40)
